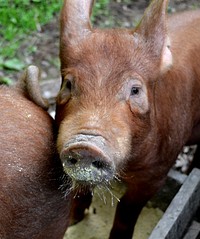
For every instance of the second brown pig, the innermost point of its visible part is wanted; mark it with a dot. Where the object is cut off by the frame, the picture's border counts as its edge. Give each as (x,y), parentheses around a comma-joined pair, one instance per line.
(128,103)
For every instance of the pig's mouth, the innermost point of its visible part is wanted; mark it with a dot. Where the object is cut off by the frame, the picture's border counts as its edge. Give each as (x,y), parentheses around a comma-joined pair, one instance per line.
(85,159)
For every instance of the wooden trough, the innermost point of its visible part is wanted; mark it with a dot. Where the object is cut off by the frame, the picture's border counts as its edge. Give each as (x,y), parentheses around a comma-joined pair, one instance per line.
(178,220)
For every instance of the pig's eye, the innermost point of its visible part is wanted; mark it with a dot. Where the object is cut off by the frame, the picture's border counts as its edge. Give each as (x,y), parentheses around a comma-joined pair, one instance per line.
(135,90)
(137,96)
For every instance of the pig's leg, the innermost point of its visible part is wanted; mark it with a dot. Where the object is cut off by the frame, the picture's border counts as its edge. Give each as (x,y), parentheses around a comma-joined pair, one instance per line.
(80,203)
(195,139)
(129,208)
(125,218)
(195,136)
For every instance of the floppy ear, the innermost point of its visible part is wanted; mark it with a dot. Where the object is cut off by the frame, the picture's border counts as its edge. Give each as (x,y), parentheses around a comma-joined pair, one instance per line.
(153,31)
(75,20)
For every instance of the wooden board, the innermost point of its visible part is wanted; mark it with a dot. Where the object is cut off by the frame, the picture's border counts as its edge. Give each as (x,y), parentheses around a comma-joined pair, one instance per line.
(181,210)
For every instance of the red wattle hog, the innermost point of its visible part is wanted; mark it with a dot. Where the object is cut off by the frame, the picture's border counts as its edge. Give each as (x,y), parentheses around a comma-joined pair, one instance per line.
(32,204)
(129,102)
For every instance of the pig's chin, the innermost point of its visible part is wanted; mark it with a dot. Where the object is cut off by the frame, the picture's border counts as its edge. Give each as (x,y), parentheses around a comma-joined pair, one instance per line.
(89,176)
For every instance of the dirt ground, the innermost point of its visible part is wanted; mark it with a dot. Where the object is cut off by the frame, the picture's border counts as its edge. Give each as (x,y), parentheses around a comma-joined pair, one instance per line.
(98,220)
(122,13)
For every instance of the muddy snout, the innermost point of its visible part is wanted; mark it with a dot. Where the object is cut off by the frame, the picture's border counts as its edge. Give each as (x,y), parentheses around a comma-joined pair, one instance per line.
(85,160)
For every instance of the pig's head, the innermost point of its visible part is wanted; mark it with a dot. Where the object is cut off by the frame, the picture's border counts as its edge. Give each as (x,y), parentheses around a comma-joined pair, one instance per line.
(105,108)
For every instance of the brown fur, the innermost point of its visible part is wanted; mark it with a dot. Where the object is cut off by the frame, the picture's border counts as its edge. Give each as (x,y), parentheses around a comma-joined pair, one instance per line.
(32,204)
(143,143)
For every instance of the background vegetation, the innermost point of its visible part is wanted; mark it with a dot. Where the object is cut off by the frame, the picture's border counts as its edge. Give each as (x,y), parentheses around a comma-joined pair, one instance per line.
(19,18)
(29,32)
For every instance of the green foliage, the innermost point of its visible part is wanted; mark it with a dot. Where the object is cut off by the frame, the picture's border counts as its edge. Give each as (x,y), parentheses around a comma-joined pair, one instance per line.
(100,8)
(5,81)
(13,64)
(18,18)
(101,12)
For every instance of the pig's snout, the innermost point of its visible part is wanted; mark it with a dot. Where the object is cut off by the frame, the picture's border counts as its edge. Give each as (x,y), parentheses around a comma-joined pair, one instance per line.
(87,163)
(84,158)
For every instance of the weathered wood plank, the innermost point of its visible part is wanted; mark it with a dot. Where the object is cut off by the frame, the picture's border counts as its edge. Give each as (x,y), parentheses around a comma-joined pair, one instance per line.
(193,231)
(181,210)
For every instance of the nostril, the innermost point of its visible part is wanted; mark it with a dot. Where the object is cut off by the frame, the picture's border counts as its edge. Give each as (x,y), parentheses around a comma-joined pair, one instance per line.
(98,164)
(72,160)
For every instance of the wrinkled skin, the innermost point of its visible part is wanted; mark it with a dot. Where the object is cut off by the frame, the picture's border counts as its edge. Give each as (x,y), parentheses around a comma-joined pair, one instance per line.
(128,103)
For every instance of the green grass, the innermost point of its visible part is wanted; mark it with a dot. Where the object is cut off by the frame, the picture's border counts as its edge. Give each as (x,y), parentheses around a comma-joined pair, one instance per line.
(18,18)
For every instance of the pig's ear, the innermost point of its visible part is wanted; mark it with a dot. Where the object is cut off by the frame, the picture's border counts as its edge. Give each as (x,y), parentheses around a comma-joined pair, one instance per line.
(153,30)
(75,21)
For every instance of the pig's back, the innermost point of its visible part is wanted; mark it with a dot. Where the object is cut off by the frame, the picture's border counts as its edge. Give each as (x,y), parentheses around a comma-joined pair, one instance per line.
(31,205)
(182,20)
(184,28)
(24,124)
(184,34)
